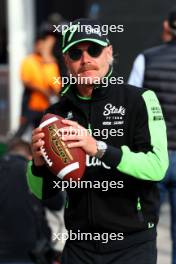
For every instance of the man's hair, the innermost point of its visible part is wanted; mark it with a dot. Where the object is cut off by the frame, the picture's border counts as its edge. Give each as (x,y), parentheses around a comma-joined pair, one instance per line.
(19,146)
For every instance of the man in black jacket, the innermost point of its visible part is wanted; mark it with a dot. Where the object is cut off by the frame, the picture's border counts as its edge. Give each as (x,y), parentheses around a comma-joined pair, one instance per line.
(126,148)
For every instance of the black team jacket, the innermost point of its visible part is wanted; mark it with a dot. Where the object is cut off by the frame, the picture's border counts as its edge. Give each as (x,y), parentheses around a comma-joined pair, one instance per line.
(130,121)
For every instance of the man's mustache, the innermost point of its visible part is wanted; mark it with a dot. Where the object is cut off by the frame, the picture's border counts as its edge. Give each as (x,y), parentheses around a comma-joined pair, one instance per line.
(87,68)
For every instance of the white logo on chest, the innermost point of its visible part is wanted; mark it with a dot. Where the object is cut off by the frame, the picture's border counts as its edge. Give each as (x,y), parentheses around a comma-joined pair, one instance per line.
(110,109)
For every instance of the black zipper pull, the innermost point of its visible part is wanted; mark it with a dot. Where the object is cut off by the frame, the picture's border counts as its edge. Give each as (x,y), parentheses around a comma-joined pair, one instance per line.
(66,202)
(139,210)
(89,128)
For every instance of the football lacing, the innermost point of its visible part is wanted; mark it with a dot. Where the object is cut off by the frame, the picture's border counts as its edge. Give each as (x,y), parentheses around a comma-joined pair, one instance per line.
(45,156)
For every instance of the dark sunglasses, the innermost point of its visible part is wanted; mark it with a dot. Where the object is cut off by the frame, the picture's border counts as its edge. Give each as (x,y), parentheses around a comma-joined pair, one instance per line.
(94,50)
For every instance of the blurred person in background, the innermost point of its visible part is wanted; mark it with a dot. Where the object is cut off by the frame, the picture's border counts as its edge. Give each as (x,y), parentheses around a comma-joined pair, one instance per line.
(156,69)
(37,74)
(24,230)
(56,23)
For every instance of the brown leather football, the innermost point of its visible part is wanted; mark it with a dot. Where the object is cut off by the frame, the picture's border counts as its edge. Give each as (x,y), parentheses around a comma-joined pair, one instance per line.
(66,163)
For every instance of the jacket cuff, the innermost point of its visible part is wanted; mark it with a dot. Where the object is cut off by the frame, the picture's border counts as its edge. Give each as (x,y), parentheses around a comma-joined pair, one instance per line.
(112,156)
(38,171)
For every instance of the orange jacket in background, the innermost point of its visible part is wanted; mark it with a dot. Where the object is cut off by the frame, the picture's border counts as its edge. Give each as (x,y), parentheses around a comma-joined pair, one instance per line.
(36,73)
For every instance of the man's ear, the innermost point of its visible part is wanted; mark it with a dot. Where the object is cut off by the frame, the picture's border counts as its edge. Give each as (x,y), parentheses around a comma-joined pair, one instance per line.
(110,50)
(110,54)
(166,34)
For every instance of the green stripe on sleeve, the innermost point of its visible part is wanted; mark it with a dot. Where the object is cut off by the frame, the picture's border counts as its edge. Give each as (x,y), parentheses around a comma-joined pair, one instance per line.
(35,183)
(153,164)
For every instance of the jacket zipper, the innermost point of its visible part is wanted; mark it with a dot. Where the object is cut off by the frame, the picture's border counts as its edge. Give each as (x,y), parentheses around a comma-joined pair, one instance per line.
(90,198)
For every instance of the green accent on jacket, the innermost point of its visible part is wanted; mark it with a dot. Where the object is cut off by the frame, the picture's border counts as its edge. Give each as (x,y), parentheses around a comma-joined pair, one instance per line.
(153,164)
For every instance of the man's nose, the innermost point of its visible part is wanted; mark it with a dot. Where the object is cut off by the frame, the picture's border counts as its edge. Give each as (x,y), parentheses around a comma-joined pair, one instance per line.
(85,58)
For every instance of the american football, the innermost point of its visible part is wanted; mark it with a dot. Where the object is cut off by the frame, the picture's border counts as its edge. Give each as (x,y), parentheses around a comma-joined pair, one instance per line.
(63,162)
